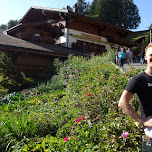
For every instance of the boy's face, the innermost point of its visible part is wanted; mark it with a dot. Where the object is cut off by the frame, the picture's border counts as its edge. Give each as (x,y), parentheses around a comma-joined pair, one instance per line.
(148,56)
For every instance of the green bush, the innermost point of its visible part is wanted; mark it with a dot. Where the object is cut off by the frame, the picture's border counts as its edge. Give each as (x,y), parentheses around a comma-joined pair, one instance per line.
(98,137)
(77,110)
(10,79)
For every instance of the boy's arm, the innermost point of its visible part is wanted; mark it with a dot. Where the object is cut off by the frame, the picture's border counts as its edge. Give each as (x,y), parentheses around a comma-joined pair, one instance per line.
(127,108)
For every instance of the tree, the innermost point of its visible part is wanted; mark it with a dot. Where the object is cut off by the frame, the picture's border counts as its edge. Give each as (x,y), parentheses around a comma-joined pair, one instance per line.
(146,41)
(122,13)
(11,79)
(92,13)
(12,23)
(150,27)
(82,7)
(3,26)
(7,65)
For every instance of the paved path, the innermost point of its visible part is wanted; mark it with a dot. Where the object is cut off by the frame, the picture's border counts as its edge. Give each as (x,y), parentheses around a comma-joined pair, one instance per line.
(135,65)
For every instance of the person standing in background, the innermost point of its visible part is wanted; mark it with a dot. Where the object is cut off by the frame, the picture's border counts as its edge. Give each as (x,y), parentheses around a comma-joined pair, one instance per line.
(121,57)
(129,56)
(117,57)
(142,55)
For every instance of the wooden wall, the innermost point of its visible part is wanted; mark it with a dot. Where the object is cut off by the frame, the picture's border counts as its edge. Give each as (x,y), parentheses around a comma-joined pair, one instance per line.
(83,26)
(29,63)
(27,33)
(32,64)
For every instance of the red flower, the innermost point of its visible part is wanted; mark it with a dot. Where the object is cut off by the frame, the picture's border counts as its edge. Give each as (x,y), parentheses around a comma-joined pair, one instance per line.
(65,139)
(89,86)
(88,94)
(83,118)
(78,120)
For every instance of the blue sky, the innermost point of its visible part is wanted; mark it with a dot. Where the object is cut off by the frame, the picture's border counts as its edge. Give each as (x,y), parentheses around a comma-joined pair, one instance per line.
(16,9)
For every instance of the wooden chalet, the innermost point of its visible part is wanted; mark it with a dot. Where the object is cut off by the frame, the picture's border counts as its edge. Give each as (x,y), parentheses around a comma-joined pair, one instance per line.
(45,33)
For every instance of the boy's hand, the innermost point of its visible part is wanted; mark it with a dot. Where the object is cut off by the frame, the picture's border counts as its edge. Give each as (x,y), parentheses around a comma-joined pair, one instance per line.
(148,122)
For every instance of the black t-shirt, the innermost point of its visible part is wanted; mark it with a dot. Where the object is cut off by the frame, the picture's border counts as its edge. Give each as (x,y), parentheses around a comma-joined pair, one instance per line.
(142,85)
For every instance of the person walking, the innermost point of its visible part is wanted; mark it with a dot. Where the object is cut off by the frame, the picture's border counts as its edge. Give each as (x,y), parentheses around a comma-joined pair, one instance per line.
(121,57)
(129,56)
(141,84)
(117,57)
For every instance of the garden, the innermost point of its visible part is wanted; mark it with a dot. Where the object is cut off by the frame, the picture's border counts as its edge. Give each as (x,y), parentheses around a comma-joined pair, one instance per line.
(75,111)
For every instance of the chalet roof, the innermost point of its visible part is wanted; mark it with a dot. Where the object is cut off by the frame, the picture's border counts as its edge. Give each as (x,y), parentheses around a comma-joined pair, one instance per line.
(8,41)
(41,13)
(42,23)
(66,11)
(44,8)
(123,42)
(101,23)
(51,9)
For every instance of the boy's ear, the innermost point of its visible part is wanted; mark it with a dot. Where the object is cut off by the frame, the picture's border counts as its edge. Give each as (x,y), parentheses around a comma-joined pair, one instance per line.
(145,57)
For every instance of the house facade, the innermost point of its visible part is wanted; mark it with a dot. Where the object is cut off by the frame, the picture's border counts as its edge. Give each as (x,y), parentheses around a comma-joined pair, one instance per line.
(55,33)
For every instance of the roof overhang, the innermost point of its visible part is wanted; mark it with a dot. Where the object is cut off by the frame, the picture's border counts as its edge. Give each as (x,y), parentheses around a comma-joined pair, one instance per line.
(68,13)
(102,24)
(123,42)
(10,42)
(42,10)
(34,24)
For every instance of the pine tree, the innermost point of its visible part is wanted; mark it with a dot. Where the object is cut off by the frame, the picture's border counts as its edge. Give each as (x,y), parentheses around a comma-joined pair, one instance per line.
(7,66)
(82,7)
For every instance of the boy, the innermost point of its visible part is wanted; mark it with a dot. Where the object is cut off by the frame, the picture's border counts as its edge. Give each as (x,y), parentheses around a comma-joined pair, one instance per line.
(141,84)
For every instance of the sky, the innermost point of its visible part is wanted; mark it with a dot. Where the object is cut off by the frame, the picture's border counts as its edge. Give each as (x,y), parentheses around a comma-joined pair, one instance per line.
(16,9)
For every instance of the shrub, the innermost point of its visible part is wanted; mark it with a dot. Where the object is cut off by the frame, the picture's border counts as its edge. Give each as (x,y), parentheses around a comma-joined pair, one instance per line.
(10,78)
(77,110)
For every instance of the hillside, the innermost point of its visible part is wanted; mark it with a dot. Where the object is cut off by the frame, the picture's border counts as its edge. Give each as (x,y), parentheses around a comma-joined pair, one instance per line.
(75,111)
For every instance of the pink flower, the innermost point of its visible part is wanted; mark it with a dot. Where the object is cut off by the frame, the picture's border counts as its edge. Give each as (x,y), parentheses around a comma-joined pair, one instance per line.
(73,75)
(78,120)
(89,86)
(88,94)
(83,118)
(70,76)
(65,139)
(125,134)
(65,83)
(147,137)
(76,71)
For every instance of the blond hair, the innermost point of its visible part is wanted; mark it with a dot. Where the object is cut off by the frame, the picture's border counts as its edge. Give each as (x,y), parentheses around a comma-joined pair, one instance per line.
(148,46)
